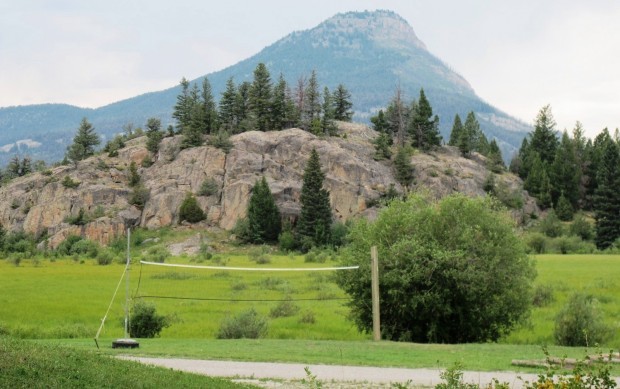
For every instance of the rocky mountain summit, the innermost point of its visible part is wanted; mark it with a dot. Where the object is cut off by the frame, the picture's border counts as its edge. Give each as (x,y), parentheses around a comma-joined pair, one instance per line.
(41,204)
(371,53)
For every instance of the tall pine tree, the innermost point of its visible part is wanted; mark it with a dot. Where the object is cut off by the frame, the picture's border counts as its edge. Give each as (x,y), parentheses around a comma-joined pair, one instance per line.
(84,142)
(264,222)
(315,220)
(423,127)
(183,106)
(607,197)
(342,104)
(457,128)
(565,172)
(209,114)
(227,106)
(260,98)
(544,139)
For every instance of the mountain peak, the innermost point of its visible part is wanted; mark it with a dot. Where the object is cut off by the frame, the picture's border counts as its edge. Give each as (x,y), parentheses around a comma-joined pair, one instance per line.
(384,27)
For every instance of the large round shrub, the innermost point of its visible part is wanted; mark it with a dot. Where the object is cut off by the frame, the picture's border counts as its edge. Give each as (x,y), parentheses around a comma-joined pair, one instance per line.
(451,270)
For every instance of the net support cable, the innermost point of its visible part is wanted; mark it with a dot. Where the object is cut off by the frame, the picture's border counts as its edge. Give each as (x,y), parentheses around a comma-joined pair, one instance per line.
(109,307)
(265,269)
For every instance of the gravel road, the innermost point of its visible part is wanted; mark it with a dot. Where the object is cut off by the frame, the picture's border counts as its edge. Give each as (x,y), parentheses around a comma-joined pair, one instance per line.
(288,375)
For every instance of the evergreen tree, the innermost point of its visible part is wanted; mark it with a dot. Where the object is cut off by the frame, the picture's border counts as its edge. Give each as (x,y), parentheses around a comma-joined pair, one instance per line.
(314,224)
(563,209)
(518,164)
(243,117)
(494,158)
(544,196)
(190,210)
(192,133)
(227,106)
(13,169)
(183,106)
(403,167)
(397,116)
(154,135)
(264,222)
(84,142)
(278,105)
(292,114)
(260,98)
(423,127)
(342,104)
(607,197)
(312,102)
(382,147)
(471,137)
(565,172)
(457,129)
(134,178)
(379,122)
(327,121)
(544,139)
(209,111)
(593,154)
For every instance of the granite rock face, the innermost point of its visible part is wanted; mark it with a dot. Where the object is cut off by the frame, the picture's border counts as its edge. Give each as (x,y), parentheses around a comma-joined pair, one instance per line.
(41,205)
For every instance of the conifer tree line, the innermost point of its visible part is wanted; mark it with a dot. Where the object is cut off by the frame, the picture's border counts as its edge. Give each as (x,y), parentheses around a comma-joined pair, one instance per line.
(263,105)
(569,173)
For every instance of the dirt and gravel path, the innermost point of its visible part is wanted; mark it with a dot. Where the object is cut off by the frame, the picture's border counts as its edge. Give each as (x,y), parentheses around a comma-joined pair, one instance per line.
(289,375)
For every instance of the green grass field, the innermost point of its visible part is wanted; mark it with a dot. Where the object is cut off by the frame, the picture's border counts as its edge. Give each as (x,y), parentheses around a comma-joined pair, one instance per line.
(27,365)
(67,299)
(595,275)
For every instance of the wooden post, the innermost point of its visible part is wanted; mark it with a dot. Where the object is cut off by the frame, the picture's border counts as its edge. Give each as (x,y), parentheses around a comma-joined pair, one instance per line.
(376,318)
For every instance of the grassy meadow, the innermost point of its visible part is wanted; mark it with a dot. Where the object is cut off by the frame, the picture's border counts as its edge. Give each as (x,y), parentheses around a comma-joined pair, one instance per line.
(67,299)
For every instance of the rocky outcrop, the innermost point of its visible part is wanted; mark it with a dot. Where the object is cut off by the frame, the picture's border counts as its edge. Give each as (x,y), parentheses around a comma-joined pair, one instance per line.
(40,204)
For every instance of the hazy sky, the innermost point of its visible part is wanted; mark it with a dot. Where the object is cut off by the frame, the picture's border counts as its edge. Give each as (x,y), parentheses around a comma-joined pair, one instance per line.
(519,55)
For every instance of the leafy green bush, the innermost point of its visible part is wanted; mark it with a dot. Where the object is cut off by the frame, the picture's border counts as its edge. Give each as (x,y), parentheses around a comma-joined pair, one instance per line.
(567,244)
(247,324)
(139,196)
(536,242)
(69,183)
(190,211)
(581,228)
(208,187)
(438,258)
(543,295)
(157,254)
(453,379)
(584,375)
(221,140)
(284,308)
(242,230)
(551,225)
(308,317)
(85,247)
(64,248)
(105,257)
(581,323)
(145,322)
(286,241)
